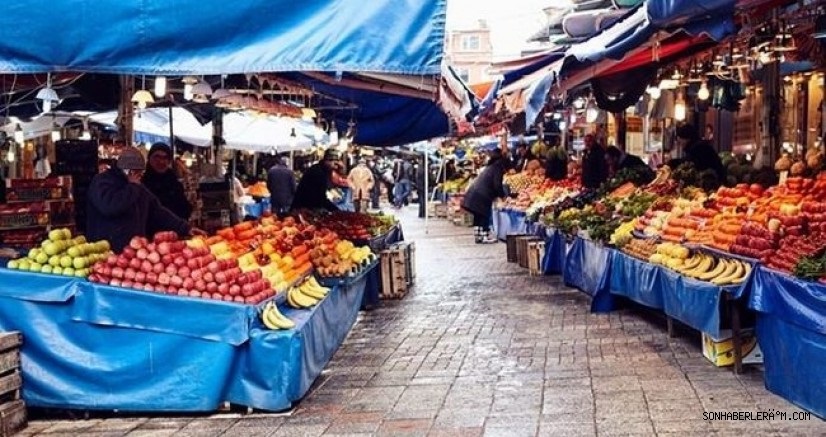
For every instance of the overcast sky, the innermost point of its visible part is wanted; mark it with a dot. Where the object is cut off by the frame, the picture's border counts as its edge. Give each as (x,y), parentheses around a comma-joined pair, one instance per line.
(511,21)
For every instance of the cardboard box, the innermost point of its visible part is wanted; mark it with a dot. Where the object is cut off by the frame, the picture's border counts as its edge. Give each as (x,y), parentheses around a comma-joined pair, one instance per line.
(720,351)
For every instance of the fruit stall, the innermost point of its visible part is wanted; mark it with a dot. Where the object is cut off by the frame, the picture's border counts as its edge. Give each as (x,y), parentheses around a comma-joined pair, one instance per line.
(249,315)
(724,262)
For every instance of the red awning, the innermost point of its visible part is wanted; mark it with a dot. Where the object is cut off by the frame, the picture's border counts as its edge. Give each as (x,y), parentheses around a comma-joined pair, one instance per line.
(666,50)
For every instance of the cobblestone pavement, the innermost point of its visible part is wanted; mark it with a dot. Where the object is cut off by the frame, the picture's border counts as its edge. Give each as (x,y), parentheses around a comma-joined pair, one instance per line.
(481,348)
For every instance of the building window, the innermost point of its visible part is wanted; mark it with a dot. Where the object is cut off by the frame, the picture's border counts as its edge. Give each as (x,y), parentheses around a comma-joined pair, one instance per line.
(463,74)
(471,43)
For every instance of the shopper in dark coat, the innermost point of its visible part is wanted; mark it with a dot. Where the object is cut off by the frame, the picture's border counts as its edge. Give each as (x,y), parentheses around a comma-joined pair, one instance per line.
(486,188)
(312,189)
(162,181)
(119,207)
(594,167)
(618,160)
(281,185)
(699,152)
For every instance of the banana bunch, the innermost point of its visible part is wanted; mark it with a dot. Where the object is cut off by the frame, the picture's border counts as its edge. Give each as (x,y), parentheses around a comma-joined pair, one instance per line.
(273,319)
(358,255)
(622,234)
(306,295)
(718,271)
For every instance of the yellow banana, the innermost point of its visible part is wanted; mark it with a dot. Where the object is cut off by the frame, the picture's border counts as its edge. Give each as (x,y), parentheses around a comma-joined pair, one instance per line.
(703,267)
(716,271)
(729,273)
(300,299)
(312,292)
(691,263)
(278,319)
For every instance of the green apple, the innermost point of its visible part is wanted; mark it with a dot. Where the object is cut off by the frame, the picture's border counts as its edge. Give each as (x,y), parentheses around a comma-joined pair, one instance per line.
(12,264)
(103,246)
(65,261)
(51,248)
(73,252)
(57,270)
(68,271)
(42,258)
(56,234)
(34,252)
(35,267)
(82,273)
(54,261)
(23,264)
(79,263)
(46,269)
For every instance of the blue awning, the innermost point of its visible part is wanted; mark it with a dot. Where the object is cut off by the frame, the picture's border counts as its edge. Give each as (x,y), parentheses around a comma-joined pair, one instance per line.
(218,37)
(712,17)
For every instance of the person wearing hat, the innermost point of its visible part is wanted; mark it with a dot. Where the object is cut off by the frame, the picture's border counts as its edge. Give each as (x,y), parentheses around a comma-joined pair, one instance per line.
(162,181)
(120,207)
(361,181)
(311,192)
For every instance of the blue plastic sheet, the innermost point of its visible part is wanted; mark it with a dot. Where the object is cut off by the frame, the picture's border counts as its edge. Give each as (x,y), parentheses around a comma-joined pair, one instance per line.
(793,360)
(70,364)
(553,262)
(695,303)
(193,317)
(588,268)
(508,222)
(255,35)
(790,299)
(637,280)
(276,368)
(37,287)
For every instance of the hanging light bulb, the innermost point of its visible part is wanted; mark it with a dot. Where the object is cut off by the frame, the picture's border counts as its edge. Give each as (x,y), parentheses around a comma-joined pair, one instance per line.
(18,134)
(160,86)
(142,97)
(679,108)
(48,95)
(591,112)
(56,135)
(189,82)
(703,93)
(10,154)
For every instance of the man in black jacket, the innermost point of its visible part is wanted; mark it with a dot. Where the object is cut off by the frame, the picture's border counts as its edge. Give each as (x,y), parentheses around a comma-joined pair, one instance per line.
(281,185)
(120,207)
(312,189)
(486,188)
(162,181)
(699,152)
(618,160)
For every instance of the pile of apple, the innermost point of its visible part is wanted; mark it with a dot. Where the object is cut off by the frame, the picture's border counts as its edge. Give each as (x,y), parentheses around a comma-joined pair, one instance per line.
(60,254)
(168,265)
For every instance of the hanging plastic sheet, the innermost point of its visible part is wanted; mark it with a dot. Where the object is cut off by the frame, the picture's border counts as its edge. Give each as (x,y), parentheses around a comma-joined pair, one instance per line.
(276,368)
(694,303)
(588,268)
(265,35)
(788,298)
(553,262)
(38,287)
(637,280)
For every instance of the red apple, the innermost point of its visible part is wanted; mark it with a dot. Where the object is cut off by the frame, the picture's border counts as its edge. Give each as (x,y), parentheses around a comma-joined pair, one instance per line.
(217,296)
(212,287)
(223,288)
(142,253)
(200,285)
(173,290)
(194,293)
(163,278)
(140,277)
(177,246)
(182,293)
(106,271)
(152,278)
(129,274)
(112,260)
(189,283)
(169,259)
(176,281)
(214,267)
(184,272)
(154,257)
(122,262)
(188,253)
(126,283)
(250,300)
(117,273)
(192,263)
(148,287)
(114,282)
(256,274)
(147,266)
(170,269)
(158,268)
(247,290)
(209,277)
(228,298)
(135,263)
(239,299)
(164,248)
(129,252)
(235,289)
(196,274)
(93,277)
(179,261)
(220,277)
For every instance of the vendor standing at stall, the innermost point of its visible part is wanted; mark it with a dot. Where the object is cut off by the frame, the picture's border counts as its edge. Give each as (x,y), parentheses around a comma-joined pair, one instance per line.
(121,207)
(312,189)
(160,178)
(361,181)
(486,188)
(281,185)
(594,166)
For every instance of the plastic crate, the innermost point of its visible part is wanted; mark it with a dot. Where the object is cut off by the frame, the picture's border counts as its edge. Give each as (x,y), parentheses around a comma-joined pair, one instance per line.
(23,219)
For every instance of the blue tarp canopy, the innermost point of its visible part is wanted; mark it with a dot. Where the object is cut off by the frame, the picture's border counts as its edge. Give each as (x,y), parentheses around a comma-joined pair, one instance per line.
(219,37)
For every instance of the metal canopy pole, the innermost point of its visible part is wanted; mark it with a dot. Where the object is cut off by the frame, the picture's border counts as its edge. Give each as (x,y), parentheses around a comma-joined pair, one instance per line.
(426,180)
(171,134)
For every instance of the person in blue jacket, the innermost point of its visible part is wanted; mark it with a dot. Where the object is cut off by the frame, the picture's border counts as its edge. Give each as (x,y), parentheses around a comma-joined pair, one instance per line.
(119,207)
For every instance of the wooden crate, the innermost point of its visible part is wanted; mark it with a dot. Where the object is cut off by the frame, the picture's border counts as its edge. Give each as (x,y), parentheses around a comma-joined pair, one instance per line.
(522,249)
(510,247)
(440,210)
(13,418)
(536,251)
(394,273)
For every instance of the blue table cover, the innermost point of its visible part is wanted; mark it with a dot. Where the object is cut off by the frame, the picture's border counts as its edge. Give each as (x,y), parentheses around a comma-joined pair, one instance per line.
(276,368)
(508,222)
(637,280)
(556,251)
(72,364)
(588,267)
(791,329)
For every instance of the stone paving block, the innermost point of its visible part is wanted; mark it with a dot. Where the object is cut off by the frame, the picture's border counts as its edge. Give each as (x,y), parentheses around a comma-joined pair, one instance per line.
(461,418)
(300,430)
(455,432)
(405,427)
(236,431)
(152,432)
(349,423)
(622,427)
(556,429)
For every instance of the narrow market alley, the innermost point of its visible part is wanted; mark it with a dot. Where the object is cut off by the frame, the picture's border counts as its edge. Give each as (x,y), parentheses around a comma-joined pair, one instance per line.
(482,348)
